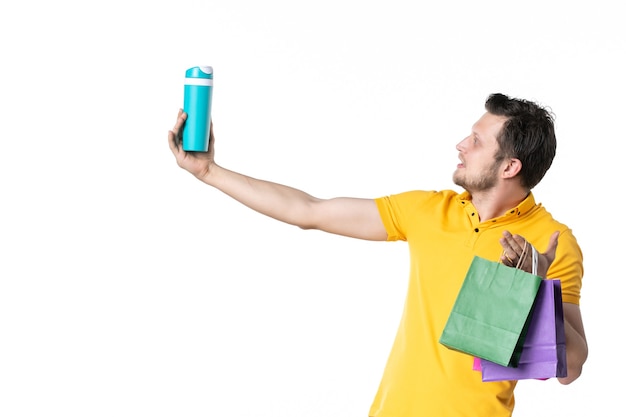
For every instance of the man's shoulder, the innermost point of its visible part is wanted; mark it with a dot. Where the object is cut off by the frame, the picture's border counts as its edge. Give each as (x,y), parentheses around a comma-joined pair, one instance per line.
(423,200)
(425,194)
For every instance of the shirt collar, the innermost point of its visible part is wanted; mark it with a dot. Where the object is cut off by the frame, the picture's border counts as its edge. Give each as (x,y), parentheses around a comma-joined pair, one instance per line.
(522,208)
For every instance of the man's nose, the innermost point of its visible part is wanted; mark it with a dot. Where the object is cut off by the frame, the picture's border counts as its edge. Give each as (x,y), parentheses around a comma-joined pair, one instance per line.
(461,145)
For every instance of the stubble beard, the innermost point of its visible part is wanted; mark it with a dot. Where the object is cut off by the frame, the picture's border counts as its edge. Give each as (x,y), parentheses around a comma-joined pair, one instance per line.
(482,182)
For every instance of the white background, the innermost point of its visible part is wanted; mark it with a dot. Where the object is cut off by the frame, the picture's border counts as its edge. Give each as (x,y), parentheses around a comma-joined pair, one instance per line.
(128,288)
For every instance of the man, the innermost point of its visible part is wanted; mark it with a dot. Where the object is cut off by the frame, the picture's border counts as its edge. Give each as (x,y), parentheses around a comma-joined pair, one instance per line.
(507,153)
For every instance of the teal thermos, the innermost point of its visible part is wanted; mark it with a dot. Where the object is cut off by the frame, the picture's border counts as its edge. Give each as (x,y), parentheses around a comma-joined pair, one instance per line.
(197,105)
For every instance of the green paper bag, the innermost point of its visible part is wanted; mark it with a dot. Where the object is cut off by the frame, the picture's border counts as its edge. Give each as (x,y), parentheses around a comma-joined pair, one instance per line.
(491,314)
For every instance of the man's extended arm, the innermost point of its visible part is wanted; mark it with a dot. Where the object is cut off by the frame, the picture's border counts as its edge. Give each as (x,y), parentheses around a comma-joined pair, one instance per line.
(352,217)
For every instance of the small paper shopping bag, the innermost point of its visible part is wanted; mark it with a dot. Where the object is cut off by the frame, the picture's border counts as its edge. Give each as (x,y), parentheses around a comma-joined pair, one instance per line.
(543,353)
(491,313)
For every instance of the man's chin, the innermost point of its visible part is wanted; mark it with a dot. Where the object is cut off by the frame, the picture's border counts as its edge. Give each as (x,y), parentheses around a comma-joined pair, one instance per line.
(458,180)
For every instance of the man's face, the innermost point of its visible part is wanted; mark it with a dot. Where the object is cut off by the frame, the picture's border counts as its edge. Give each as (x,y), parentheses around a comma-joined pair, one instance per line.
(478,170)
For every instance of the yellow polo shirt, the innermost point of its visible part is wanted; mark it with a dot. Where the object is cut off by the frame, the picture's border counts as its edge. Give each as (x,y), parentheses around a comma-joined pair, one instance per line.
(423,378)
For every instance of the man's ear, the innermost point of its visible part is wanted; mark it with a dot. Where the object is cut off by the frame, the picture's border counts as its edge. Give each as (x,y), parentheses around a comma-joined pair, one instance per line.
(512,168)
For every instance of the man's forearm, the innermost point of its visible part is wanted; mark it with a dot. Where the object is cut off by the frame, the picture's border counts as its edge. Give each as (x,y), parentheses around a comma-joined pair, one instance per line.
(576,345)
(278,201)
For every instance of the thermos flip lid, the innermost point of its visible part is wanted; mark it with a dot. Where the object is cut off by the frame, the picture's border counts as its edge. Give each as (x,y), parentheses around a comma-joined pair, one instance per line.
(199,72)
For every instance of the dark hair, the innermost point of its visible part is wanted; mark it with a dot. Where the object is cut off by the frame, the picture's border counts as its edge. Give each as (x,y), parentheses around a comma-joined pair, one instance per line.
(528,135)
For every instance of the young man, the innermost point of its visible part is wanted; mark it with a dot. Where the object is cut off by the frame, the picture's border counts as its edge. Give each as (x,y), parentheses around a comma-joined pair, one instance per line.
(507,153)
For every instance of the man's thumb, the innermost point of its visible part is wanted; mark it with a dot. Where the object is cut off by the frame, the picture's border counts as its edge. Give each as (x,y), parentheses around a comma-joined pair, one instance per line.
(554,242)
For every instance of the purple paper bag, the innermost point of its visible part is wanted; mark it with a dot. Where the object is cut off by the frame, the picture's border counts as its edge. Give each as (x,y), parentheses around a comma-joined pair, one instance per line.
(543,352)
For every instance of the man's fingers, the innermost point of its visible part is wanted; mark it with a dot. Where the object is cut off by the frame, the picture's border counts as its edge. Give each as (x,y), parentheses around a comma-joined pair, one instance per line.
(173,136)
(180,121)
(171,139)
